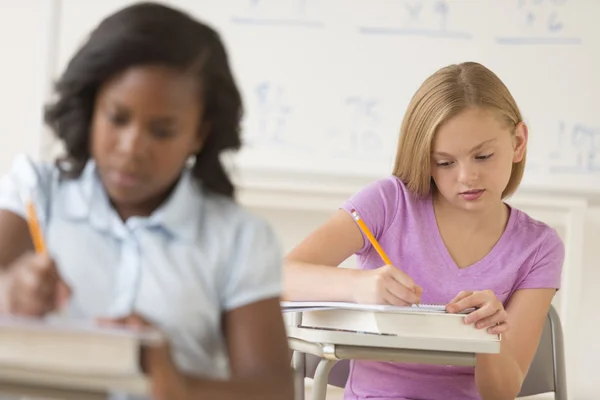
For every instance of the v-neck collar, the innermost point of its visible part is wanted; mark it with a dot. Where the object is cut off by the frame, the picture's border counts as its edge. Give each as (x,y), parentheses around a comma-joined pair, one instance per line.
(439,242)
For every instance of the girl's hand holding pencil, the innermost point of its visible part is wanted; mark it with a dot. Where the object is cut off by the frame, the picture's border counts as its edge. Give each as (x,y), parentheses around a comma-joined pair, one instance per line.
(32,286)
(387,284)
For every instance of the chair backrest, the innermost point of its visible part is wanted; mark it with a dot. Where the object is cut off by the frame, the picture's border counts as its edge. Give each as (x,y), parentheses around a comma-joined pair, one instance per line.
(547,370)
(546,374)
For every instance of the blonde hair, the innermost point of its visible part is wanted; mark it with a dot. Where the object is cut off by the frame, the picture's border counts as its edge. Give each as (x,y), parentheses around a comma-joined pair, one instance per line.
(442,96)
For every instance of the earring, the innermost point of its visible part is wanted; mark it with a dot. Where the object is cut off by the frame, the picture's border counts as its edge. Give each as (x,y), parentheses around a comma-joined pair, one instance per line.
(191,161)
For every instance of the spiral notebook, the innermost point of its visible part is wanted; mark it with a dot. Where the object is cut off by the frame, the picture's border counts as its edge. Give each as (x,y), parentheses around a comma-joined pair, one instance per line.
(296,306)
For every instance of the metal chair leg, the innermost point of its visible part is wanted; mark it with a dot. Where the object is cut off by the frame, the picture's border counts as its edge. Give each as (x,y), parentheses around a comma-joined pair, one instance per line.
(321,378)
(298,366)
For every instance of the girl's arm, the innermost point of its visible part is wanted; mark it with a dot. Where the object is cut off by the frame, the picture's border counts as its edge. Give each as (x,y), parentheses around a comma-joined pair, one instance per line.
(258,355)
(309,271)
(14,237)
(500,376)
(29,284)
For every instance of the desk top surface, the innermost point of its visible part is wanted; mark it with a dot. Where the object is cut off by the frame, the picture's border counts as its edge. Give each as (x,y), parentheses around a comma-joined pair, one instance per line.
(432,343)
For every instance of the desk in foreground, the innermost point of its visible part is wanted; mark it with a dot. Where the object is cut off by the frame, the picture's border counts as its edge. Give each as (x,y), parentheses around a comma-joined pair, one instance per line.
(24,383)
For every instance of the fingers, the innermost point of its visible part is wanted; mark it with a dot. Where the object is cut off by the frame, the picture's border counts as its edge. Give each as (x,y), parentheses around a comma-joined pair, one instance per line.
(108,321)
(494,324)
(489,314)
(461,295)
(463,301)
(394,300)
(33,285)
(498,317)
(398,294)
(63,294)
(402,286)
(484,311)
(43,265)
(30,306)
(419,292)
(498,329)
(134,321)
(52,288)
(403,279)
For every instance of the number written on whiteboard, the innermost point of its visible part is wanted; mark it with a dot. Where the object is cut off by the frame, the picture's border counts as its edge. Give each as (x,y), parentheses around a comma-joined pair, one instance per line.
(268,121)
(359,137)
(277,13)
(577,149)
(425,18)
(270,114)
(539,22)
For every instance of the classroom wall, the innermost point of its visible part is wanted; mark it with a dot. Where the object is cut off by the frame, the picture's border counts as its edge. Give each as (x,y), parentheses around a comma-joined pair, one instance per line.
(588,348)
(23,79)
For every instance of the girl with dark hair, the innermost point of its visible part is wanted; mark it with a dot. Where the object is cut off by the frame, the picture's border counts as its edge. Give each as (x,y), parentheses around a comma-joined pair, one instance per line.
(139,216)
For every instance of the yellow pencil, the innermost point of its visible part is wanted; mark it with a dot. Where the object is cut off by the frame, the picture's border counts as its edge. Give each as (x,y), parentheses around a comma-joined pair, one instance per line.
(372,239)
(34,229)
(370,236)
(38,239)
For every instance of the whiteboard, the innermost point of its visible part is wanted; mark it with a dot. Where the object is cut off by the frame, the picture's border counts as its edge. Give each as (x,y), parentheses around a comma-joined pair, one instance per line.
(325,83)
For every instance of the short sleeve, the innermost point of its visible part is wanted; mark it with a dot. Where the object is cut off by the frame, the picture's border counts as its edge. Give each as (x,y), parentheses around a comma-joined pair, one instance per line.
(255,270)
(25,180)
(547,268)
(377,204)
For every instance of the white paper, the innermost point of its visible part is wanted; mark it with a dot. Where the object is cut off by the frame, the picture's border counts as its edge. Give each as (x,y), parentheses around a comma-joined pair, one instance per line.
(297,306)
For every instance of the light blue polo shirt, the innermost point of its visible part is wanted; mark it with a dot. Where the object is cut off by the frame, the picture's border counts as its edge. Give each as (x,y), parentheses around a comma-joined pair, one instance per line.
(195,257)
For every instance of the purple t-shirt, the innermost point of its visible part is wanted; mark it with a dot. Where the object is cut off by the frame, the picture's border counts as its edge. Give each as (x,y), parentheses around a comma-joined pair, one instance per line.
(528,255)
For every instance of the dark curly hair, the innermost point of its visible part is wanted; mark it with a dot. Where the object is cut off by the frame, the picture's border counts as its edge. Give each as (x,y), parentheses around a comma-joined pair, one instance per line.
(149,33)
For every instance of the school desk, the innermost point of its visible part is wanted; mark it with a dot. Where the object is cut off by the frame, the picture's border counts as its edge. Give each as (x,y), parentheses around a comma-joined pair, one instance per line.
(332,346)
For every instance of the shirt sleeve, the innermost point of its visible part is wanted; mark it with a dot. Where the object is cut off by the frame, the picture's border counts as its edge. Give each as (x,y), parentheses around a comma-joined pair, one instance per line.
(27,180)
(255,272)
(547,269)
(377,205)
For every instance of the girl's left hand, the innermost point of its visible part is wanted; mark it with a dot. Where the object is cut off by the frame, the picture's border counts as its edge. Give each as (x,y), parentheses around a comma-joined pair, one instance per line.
(166,381)
(489,314)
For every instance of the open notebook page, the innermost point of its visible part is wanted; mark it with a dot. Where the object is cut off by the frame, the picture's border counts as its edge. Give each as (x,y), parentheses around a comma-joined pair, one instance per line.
(297,306)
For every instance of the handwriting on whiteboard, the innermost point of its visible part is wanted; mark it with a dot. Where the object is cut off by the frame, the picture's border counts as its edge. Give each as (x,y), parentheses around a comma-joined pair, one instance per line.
(540,22)
(278,13)
(358,134)
(577,149)
(268,121)
(428,18)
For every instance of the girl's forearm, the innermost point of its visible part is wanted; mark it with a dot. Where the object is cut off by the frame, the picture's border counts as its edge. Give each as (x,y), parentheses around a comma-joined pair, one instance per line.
(306,282)
(498,376)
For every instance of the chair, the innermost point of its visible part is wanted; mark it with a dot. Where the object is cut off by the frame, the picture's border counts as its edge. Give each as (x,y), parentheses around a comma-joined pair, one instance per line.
(546,374)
